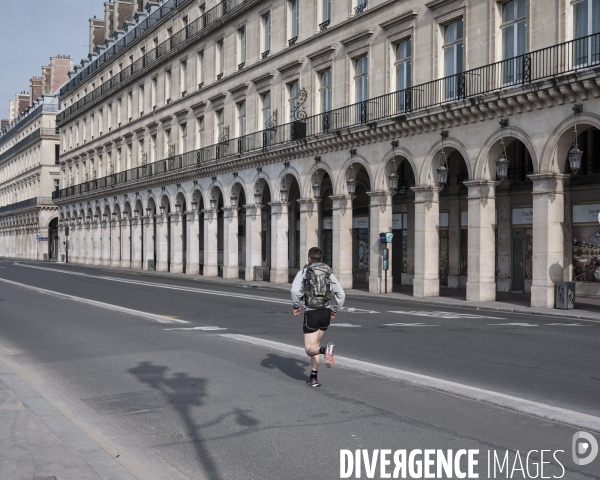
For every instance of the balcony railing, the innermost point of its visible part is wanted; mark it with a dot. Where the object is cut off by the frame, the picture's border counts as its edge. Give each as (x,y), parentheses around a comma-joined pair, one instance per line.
(146,61)
(31,202)
(25,119)
(28,139)
(541,64)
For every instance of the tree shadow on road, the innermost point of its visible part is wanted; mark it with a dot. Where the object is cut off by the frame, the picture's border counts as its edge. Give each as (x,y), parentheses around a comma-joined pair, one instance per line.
(183,392)
(292,367)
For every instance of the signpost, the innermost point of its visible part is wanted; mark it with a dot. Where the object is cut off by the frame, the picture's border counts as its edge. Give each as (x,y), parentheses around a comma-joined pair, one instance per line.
(385,238)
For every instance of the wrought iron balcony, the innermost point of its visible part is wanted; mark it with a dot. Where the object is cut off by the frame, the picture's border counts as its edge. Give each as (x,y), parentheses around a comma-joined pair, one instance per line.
(292,41)
(360,8)
(535,66)
(31,202)
(265,54)
(45,132)
(325,25)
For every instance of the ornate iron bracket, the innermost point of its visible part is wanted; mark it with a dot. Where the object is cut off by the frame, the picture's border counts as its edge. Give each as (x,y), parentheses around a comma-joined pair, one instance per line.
(299,113)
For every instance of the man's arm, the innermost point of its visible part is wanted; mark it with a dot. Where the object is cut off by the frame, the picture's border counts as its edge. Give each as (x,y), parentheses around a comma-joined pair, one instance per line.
(338,292)
(297,290)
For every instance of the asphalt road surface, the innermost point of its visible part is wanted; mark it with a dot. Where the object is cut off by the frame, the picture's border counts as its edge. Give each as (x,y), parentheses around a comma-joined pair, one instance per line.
(211,407)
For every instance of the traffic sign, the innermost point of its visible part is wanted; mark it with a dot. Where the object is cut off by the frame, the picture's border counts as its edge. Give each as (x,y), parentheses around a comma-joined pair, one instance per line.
(43,239)
(37,238)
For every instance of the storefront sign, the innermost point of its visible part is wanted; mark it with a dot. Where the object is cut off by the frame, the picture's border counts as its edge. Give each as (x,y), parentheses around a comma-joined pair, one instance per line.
(522,216)
(444,219)
(328,224)
(360,222)
(586,213)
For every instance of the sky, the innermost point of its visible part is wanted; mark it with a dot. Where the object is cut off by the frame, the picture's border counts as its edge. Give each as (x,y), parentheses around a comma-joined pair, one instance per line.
(31,31)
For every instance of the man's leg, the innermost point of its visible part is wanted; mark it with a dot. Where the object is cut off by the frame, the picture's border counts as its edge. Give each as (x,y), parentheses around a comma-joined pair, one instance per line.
(312,345)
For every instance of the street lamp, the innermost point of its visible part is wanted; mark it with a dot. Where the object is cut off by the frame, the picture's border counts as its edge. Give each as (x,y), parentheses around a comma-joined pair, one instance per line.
(194,206)
(162,209)
(213,203)
(285,193)
(442,170)
(257,195)
(393,178)
(178,207)
(233,201)
(351,182)
(502,162)
(148,212)
(574,153)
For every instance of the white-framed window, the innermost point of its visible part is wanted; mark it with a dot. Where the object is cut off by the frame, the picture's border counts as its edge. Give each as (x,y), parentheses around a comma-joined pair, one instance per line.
(141,152)
(129,155)
(241,123)
(293,92)
(361,79)
(183,143)
(220,58)
(266,117)
(586,21)
(403,69)
(109,118)
(325,14)
(200,143)
(294,21)
(183,77)
(141,99)
(154,148)
(514,31)
(100,121)
(119,111)
(453,57)
(200,72)
(219,124)
(92,125)
(167,86)
(168,149)
(241,47)
(129,106)
(153,91)
(325,103)
(266,35)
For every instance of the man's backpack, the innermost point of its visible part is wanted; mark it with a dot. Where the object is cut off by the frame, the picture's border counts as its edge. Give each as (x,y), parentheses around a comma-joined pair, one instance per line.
(317,291)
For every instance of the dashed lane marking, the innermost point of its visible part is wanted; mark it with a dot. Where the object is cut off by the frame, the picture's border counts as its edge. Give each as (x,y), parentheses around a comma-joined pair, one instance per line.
(207,329)
(448,315)
(344,325)
(568,325)
(408,325)
(514,324)
(186,289)
(107,306)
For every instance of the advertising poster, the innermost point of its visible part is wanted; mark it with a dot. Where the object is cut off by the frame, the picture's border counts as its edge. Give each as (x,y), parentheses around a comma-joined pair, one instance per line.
(586,253)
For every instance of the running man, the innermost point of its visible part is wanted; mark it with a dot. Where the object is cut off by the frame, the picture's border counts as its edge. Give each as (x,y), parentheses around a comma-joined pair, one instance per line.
(315,283)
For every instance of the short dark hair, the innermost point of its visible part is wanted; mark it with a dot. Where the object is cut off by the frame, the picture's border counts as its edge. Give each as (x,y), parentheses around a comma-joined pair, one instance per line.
(315,253)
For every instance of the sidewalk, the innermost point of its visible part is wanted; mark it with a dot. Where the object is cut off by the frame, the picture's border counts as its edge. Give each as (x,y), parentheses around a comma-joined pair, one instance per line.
(38,441)
(585,309)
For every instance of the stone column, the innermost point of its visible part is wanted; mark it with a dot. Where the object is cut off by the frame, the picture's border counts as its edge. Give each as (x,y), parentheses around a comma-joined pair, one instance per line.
(89,242)
(74,244)
(115,243)
(309,227)
(407,278)
(106,242)
(136,242)
(253,240)
(162,243)
(380,220)
(61,239)
(279,242)
(125,242)
(481,283)
(97,241)
(342,239)
(148,226)
(211,267)
(427,248)
(454,243)
(193,243)
(231,267)
(548,237)
(503,282)
(176,243)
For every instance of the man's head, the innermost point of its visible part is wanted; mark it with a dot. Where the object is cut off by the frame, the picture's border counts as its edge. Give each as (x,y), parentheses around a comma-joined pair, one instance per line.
(315,254)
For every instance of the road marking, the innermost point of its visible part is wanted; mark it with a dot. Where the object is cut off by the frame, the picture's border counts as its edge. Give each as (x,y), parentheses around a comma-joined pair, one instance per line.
(107,306)
(345,325)
(408,325)
(184,289)
(197,328)
(448,315)
(536,409)
(514,324)
(569,325)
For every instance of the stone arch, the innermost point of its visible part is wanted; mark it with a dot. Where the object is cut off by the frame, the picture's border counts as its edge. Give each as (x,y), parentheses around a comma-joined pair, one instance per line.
(320,168)
(266,180)
(491,150)
(342,188)
(285,173)
(428,174)
(387,165)
(554,153)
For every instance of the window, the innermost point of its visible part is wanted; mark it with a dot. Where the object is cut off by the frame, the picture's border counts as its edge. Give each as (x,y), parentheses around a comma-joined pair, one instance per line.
(92,125)
(143,158)
(129,106)
(513,39)
(361,6)
(153,145)
(220,120)
(129,155)
(167,86)
(183,78)
(183,145)
(220,59)
(153,90)
(586,21)
(169,149)
(266,118)
(84,130)
(325,94)
(141,99)
(294,22)
(293,90)
(119,105)
(241,48)
(361,87)
(266,37)
(241,125)
(453,58)
(200,139)
(403,73)
(325,14)
(200,69)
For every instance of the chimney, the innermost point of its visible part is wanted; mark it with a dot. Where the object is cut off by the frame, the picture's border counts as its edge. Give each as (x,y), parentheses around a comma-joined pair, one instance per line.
(35,89)
(109,20)
(124,10)
(4,123)
(97,29)
(59,68)
(22,102)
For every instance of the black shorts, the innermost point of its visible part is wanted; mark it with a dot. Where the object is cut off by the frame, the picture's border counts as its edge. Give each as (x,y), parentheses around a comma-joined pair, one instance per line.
(316,320)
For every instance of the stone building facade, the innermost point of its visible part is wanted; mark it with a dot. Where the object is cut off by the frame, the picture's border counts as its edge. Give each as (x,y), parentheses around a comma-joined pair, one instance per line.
(228,138)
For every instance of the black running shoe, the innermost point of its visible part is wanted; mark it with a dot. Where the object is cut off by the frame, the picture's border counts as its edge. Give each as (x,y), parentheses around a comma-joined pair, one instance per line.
(313,382)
